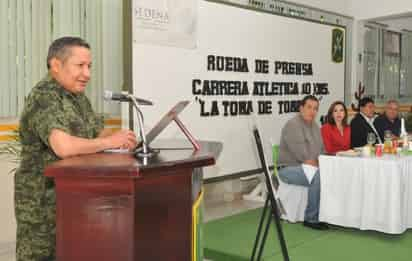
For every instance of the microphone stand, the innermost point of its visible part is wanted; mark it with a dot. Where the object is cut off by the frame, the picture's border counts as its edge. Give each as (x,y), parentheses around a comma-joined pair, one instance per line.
(146,151)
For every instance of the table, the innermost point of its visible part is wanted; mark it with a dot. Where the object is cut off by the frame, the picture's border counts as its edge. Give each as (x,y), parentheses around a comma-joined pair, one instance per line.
(368,193)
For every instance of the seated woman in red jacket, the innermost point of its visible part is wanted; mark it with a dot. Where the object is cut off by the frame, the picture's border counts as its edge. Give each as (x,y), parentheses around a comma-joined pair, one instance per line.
(336,131)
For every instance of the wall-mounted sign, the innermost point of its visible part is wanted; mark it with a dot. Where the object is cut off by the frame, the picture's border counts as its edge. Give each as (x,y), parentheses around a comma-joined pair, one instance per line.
(165,22)
(338,45)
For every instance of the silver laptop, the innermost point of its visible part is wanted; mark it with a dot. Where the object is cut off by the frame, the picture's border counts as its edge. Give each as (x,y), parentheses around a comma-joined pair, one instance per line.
(164,122)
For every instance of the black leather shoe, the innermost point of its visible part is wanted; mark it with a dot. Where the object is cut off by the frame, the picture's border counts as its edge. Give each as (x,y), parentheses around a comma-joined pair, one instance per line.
(317,226)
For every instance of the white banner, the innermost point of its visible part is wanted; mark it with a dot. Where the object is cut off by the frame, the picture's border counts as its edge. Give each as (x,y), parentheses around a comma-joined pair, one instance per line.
(248,68)
(165,22)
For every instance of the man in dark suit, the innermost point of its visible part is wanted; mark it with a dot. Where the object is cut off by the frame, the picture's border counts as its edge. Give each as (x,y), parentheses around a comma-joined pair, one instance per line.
(362,123)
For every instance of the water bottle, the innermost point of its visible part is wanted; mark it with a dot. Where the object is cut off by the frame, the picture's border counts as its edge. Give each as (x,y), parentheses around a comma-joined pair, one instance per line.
(404,136)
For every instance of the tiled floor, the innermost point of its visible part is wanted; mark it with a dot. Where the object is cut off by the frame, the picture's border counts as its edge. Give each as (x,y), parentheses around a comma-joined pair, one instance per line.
(213,210)
(216,210)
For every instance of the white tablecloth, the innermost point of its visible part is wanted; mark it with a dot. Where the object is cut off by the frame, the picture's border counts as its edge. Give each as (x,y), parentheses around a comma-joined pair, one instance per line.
(367,193)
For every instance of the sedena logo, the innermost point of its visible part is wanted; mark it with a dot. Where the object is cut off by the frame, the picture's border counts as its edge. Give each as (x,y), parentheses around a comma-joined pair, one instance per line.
(151,15)
(337,45)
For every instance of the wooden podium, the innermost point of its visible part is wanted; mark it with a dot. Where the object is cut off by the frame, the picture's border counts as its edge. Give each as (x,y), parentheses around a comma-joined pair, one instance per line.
(115,207)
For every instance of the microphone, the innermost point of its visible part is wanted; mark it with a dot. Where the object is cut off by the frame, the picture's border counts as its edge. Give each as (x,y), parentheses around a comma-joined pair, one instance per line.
(124,97)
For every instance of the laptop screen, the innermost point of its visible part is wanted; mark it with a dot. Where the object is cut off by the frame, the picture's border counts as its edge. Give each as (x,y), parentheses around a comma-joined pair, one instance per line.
(164,121)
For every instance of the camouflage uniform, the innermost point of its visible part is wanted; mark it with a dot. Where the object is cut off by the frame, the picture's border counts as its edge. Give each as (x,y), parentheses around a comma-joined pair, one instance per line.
(48,107)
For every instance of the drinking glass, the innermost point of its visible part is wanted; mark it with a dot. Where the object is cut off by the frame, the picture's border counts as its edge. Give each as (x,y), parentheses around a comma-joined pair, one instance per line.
(387,135)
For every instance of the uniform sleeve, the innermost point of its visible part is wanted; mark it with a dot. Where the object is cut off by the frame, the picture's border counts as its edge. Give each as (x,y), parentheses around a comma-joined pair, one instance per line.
(47,114)
(99,124)
(96,119)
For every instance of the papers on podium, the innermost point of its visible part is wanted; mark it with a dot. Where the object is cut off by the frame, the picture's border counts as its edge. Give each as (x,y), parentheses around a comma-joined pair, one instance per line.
(117,151)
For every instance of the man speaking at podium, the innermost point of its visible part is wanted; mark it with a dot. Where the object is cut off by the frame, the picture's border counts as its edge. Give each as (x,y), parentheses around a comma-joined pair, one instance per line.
(57,122)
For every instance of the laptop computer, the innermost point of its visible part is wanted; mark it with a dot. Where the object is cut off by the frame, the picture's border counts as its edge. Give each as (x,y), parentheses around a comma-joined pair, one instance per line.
(164,122)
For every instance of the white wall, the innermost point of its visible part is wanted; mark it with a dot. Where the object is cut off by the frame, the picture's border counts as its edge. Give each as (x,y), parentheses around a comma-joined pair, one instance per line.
(399,23)
(336,6)
(271,40)
(361,9)
(367,9)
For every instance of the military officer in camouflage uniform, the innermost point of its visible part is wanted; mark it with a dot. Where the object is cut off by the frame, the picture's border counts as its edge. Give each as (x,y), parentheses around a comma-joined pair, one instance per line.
(57,122)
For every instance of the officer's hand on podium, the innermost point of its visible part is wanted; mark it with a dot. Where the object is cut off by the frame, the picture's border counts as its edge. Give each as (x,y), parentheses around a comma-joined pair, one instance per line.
(123,139)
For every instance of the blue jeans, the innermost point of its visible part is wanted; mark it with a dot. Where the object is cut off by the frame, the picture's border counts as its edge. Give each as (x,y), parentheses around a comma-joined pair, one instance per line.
(295,175)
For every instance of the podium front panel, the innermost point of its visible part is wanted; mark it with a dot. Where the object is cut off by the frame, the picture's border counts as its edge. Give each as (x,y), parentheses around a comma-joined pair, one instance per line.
(112,207)
(95,219)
